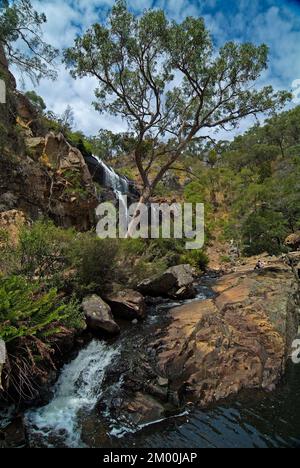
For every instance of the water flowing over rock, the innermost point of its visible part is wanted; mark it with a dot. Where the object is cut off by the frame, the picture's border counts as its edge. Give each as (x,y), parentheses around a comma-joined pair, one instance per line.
(76,392)
(98,315)
(177,282)
(115,187)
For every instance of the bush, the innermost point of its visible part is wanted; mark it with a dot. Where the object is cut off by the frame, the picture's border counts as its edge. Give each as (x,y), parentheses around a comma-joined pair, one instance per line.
(95,261)
(9,258)
(197,258)
(43,249)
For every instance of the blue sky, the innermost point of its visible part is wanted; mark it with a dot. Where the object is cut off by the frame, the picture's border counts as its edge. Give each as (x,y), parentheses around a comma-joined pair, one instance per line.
(276,23)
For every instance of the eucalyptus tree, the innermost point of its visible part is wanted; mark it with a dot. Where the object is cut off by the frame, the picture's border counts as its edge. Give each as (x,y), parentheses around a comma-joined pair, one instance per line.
(21,40)
(169,83)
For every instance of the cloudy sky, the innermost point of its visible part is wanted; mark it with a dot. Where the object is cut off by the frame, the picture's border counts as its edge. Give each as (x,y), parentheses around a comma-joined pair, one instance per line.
(276,23)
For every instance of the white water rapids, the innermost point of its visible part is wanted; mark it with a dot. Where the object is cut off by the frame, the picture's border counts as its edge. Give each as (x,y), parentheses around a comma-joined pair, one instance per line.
(78,389)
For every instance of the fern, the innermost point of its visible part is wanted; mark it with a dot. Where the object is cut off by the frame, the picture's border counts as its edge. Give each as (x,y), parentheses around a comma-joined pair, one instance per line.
(26,311)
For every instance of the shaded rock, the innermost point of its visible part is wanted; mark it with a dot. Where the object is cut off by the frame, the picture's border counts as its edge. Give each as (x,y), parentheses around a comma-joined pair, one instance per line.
(142,409)
(127,304)
(176,282)
(294,261)
(160,285)
(98,315)
(13,435)
(64,191)
(8,201)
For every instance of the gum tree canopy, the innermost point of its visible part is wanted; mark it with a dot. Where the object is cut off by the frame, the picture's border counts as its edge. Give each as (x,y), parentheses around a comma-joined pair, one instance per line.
(169,83)
(21,39)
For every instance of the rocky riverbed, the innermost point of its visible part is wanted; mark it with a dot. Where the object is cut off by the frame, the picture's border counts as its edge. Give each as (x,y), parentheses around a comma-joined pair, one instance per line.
(234,336)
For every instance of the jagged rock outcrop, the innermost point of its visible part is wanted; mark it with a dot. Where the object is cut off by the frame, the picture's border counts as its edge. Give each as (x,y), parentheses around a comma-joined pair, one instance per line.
(40,174)
(98,315)
(177,282)
(127,304)
(54,182)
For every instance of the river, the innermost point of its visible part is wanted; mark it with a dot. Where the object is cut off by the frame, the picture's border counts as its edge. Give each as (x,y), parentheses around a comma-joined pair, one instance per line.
(73,418)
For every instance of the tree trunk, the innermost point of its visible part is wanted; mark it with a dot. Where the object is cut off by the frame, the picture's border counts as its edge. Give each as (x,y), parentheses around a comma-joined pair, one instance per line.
(144,199)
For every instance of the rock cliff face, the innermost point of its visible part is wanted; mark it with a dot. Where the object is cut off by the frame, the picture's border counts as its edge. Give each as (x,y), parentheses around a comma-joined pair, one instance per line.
(215,348)
(40,173)
(64,192)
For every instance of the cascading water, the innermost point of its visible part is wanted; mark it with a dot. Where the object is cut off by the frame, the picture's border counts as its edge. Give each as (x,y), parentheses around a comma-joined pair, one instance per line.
(78,389)
(117,183)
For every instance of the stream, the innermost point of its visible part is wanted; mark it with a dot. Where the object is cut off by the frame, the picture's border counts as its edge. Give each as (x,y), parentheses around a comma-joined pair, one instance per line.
(73,418)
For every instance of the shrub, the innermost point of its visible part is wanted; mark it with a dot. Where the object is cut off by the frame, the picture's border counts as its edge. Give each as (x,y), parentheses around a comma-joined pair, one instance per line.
(197,258)
(43,249)
(9,259)
(95,261)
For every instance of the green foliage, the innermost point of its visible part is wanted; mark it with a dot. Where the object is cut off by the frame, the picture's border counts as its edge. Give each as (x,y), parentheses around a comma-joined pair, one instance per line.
(43,249)
(197,258)
(95,261)
(217,88)
(20,23)
(26,311)
(36,100)
(264,231)
(265,206)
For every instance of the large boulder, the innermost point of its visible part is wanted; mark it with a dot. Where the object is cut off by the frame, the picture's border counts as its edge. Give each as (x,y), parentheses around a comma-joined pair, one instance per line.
(177,282)
(127,304)
(98,315)
(293,241)
(241,339)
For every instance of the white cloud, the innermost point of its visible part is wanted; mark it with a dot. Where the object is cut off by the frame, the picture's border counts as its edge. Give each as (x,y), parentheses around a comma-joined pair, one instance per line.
(272,22)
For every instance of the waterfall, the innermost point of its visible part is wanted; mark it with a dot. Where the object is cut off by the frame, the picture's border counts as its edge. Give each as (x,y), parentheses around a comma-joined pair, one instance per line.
(78,389)
(117,183)
(112,179)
